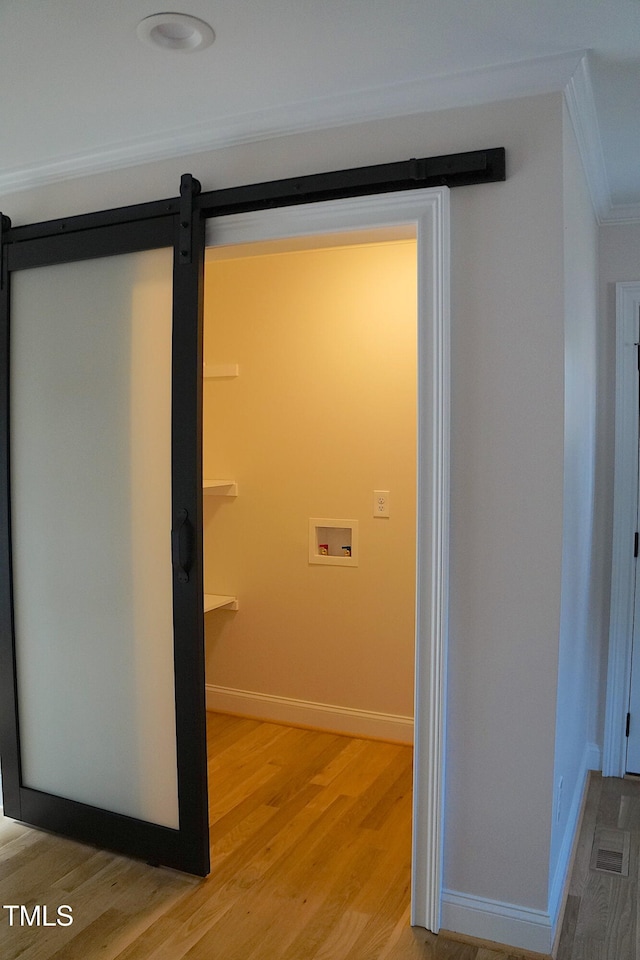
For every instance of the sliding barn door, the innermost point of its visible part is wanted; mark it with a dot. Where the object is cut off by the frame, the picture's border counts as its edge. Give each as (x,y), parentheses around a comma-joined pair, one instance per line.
(103,713)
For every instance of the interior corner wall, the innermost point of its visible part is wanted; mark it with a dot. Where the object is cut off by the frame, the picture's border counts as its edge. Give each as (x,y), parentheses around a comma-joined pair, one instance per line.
(322,413)
(506,464)
(581,636)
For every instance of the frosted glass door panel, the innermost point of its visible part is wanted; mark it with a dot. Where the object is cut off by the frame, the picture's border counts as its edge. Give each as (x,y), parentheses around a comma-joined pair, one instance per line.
(91,532)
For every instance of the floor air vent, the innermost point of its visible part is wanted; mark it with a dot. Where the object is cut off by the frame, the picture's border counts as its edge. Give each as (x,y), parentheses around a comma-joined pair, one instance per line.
(610,861)
(610,853)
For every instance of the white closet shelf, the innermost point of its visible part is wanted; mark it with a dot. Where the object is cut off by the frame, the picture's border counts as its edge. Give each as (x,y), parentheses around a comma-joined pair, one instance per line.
(213,601)
(220,488)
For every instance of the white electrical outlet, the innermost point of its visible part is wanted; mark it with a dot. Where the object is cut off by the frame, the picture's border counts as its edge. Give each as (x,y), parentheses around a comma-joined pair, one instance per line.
(381,503)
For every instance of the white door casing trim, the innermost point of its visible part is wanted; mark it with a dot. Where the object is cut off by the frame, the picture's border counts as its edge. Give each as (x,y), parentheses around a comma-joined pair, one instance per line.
(428,211)
(625,505)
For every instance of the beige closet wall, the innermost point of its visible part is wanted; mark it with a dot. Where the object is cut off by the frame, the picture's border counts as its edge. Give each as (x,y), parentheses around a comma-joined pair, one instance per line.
(323,413)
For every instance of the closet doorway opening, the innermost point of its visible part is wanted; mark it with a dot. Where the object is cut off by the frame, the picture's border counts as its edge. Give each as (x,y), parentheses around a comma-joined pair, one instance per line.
(421,216)
(309,420)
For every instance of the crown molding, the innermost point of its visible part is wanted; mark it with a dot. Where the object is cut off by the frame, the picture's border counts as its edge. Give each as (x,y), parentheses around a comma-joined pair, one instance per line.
(582,110)
(581,106)
(503,82)
(621,213)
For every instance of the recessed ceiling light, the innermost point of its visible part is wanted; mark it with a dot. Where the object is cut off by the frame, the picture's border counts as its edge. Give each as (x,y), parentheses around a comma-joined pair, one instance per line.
(175,31)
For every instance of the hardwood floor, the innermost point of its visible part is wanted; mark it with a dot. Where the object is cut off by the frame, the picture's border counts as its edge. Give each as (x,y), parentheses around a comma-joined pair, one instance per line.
(601,919)
(310,861)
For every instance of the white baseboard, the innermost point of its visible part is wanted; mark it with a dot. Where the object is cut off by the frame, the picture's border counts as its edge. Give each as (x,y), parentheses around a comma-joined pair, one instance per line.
(513,925)
(305,713)
(497,922)
(561,878)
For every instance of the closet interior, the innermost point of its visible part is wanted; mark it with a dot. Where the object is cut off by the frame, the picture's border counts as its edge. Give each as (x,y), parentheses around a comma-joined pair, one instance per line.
(309,461)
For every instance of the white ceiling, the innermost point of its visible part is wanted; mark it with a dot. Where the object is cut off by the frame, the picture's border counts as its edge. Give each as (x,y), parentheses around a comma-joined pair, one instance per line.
(81,93)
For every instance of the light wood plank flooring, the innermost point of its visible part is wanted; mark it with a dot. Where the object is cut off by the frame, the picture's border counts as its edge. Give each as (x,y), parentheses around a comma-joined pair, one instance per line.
(310,861)
(602,915)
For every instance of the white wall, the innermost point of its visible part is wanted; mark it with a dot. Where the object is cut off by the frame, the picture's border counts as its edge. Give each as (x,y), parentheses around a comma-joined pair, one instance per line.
(580,636)
(507,460)
(507,429)
(619,261)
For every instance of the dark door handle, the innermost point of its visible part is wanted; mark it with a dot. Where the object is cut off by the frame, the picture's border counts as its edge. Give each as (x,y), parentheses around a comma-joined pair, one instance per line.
(181,546)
